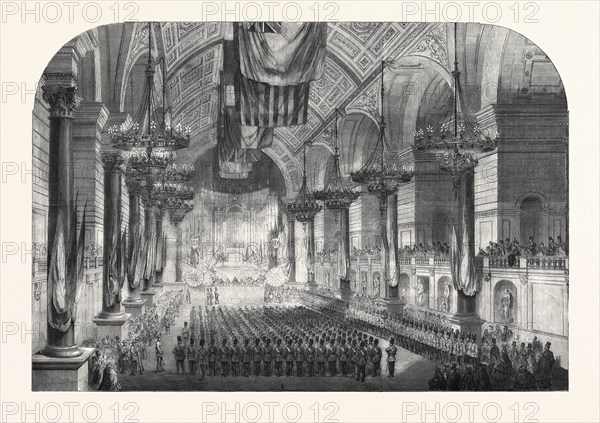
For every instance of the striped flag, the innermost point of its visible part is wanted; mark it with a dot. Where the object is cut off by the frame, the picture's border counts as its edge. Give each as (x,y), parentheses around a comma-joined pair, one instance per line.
(268,105)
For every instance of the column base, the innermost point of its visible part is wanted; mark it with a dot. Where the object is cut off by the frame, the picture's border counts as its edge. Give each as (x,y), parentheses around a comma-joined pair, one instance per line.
(111,324)
(468,323)
(134,307)
(61,374)
(148,296)
(158,288)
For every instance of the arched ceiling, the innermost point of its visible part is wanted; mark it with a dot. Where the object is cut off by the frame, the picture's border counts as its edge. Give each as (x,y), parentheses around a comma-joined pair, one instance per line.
(497,66)
(355,50)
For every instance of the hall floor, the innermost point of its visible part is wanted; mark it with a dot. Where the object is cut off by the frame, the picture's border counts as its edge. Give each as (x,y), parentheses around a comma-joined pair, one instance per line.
(412,374)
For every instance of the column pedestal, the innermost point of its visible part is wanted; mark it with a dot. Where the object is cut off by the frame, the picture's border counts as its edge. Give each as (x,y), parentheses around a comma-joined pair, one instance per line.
(134,308)
(111,325)
(466,319)
(61,374)
(148,296)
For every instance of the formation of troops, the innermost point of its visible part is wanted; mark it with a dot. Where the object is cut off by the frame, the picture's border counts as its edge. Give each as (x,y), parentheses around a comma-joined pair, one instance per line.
(314,335)
(277,341)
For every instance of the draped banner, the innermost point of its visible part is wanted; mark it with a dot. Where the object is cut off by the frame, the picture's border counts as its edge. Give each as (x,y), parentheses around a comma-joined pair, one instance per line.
(343,265)
(135,257)
(392,250)
(286,53)
(462,249)
(273,105)
(65,271)
(277,61)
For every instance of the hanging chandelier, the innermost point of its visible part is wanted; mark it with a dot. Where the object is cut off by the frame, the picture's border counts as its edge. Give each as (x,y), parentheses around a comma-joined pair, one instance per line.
(177,173)
(151,129)
(382,174)
(336,193)
(178,208)
(163,191)
(305,207)
(458,137)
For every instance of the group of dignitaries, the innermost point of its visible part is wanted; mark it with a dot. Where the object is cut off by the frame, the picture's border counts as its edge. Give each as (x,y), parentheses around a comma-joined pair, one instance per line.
(277,341)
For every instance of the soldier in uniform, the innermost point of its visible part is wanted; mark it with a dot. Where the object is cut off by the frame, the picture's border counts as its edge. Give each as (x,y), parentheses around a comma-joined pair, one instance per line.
(310,358)
(213,354)
(278,352)
(179,354)
(289,358)
(361,362)
(160,364)
(202,356)
(332,358)
(353,356)
(299,353)
(321,357)
(268,358)
(224,356)
(376,355)
(235,354)
(256,353)
(191,356)
(461,350)
(246,357)
(391,357)
(343,357)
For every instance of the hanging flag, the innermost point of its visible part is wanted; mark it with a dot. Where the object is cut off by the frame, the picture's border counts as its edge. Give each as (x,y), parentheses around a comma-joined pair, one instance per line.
(455,258)
(134,257)
(462,245)
(57,281)
(285,53)
(266,105)
(467,265)
(159,249)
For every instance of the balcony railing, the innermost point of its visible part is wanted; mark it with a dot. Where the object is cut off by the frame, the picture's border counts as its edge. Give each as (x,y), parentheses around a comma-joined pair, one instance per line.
(481,262)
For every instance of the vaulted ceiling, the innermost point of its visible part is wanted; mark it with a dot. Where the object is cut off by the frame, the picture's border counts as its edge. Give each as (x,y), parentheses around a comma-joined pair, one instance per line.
(497,66)
(355,51)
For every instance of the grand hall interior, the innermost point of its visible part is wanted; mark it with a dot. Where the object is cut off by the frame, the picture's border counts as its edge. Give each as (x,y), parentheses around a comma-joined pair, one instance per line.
(277,206)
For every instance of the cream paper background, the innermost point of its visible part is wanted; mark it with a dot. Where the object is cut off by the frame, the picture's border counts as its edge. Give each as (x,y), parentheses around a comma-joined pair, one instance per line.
(566,31)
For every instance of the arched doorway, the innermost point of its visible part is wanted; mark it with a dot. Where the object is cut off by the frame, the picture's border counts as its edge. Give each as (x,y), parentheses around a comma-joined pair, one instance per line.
(531,219)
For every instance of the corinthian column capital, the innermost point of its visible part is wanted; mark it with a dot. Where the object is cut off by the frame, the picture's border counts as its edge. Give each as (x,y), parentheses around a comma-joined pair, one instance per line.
(62,100)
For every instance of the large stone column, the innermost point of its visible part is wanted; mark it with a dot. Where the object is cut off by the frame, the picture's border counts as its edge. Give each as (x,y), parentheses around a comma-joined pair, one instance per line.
(466,318)
(62,101)
(61,359)
(134,303)
(111,318)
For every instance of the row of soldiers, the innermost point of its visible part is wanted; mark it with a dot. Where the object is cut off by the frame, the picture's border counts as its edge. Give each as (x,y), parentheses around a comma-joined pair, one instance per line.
(320,346)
